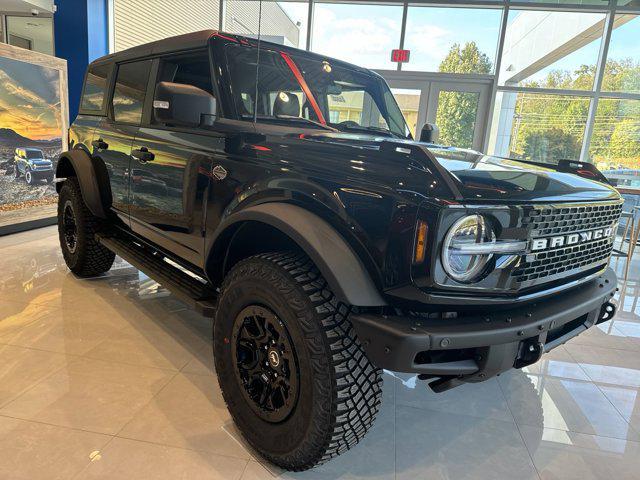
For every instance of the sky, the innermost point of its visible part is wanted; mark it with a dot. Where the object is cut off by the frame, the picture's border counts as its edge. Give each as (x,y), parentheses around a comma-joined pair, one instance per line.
(29,99)
(366,34)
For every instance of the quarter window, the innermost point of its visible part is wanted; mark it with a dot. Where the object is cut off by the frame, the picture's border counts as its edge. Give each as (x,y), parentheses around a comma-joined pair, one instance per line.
(94,87)
(129,93)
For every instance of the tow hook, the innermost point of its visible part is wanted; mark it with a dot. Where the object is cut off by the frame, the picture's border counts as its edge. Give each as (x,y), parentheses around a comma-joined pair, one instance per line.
(607,311)
(529,352)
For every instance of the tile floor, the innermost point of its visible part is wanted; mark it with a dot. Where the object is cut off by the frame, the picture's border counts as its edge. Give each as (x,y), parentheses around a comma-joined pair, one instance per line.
(112,378)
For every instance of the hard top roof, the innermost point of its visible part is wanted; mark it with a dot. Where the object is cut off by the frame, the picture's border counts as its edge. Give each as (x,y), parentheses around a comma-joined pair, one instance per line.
(194,40)
(188,41)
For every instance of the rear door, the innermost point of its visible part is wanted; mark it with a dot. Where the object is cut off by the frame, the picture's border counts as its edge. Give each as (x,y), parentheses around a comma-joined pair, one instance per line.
(113,138)
(171,178)
(93,106)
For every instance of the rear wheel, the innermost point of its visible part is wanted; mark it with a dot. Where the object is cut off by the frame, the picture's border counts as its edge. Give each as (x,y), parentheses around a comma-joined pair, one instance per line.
(292,371)
(16,171)
(77,227)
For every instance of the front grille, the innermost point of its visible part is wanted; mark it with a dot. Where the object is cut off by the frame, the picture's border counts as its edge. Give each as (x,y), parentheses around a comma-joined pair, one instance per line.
(552,221)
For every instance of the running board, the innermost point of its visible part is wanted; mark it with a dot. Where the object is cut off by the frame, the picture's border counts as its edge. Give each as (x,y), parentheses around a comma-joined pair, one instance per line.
(200,296)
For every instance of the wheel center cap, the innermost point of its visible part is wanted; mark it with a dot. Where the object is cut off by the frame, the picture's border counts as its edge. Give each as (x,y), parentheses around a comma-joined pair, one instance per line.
(274,358)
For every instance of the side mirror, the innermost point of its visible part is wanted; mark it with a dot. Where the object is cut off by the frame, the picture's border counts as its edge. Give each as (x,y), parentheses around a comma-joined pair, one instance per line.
(185,105)
(429,133)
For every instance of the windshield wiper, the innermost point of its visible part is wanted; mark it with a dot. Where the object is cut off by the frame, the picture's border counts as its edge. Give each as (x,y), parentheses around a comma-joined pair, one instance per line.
(362,128)
(307,121)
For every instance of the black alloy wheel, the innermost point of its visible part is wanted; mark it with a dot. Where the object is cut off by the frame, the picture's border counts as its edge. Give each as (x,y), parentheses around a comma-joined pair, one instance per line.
(266,363)
(291,369)
(77,228)
(69,227)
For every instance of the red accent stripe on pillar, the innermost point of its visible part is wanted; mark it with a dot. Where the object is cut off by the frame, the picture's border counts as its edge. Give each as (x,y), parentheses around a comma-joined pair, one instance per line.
(305,88)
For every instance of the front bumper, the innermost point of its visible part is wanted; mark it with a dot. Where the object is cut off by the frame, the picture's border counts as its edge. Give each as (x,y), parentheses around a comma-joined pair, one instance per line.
(42,172)
(475,348)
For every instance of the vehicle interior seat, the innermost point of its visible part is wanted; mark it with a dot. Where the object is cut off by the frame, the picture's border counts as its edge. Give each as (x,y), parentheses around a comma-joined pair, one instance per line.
(286,104)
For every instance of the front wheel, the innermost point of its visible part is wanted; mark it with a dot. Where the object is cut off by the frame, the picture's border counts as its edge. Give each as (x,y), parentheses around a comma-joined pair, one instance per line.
(294,376)
(28,177)
(77,227)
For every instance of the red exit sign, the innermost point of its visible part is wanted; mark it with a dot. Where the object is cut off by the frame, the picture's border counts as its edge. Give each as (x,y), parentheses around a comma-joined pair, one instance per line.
(400,56)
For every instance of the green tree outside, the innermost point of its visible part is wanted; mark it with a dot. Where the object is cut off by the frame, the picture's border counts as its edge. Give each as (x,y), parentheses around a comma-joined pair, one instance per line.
(549,127)
(456,114)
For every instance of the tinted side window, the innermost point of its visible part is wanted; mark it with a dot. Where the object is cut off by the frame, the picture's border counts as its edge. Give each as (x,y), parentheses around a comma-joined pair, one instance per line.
(187,69)
(280,94)
(242,70)
(95,87)
(129,92)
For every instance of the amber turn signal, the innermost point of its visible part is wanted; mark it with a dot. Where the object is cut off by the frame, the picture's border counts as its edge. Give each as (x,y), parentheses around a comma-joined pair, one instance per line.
(421,242)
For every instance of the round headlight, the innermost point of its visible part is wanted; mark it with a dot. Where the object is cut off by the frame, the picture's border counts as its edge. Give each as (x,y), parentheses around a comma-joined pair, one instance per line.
(460,259)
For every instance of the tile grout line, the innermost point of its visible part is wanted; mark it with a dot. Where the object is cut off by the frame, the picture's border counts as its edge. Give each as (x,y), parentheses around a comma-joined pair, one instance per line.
(65,427)
(244,469)
(195,450)
(395,425)
(145,405)
(90,461)
(597,385)
(533,463)
(28,389)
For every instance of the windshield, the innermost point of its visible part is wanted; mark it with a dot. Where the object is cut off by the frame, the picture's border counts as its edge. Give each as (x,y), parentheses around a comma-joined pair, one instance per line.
(33,154)
(300,89)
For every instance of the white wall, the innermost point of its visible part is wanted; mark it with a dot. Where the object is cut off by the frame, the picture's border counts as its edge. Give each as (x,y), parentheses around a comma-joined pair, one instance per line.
(142,21)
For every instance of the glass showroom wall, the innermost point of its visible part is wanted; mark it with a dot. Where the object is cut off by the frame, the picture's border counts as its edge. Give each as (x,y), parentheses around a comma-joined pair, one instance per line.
(564,77)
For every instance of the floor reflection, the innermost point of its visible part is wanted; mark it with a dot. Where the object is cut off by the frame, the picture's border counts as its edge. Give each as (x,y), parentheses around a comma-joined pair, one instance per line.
(112,377)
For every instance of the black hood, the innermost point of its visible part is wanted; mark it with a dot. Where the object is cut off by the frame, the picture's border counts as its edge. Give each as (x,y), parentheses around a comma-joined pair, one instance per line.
(470,175)
(487,177)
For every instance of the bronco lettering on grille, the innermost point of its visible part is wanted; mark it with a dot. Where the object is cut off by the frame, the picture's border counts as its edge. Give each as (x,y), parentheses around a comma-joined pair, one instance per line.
(571,239)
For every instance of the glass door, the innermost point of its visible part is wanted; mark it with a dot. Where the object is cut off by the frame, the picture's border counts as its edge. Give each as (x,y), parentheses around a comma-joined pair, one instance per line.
(458,107)
(409,102)
(460,112)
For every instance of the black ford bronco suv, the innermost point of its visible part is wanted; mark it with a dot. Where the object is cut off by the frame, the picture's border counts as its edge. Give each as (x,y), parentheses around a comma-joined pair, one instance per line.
(327,245)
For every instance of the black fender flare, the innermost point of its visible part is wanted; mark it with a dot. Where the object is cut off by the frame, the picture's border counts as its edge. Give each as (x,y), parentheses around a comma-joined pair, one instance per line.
(92,176)
(339,264)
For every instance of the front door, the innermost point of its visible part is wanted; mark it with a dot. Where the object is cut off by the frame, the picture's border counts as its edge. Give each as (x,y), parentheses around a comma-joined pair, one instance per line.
(171,168)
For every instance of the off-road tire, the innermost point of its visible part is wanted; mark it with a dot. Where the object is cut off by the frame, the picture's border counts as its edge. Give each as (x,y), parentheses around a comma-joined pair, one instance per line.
(16,171)
(339,388)
(89,257)
(28,177)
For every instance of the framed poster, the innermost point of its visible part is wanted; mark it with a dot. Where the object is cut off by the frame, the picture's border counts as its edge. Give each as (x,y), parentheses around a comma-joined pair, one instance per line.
(34,113)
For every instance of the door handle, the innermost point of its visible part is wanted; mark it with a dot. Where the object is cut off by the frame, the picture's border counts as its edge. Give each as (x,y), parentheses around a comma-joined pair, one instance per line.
(142,154)
(100,144)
